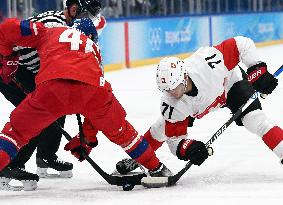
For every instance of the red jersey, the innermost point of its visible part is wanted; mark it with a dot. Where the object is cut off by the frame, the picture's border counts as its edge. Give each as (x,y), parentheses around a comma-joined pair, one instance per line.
(64,52)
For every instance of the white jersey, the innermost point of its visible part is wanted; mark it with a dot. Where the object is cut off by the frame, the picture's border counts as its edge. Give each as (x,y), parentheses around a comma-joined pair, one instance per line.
(213,71)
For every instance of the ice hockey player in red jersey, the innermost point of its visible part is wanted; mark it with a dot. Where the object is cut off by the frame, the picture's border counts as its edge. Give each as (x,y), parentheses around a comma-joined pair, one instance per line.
(70,80)
(204,82)
(18,79)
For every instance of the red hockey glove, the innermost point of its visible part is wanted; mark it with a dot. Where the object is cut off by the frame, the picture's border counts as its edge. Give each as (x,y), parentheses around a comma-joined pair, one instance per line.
(261,79)
(192,150)
(90,133)
(77,148)
(8,67)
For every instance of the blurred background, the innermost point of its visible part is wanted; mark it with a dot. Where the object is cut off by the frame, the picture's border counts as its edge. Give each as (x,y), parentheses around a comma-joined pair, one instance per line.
(141,32)
(145,8)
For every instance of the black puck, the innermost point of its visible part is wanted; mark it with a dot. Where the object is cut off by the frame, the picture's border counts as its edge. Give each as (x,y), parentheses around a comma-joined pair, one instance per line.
(128,186)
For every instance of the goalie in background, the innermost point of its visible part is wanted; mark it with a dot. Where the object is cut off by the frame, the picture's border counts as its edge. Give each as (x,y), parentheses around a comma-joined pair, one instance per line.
(204,82)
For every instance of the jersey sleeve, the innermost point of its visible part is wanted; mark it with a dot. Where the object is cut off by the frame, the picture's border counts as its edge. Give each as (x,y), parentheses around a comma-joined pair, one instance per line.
(21,33)
(238,49)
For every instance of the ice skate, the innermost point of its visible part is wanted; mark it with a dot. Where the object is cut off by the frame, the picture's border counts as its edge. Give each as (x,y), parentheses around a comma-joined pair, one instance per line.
(28,180)
(64,168)
(157,178)
(162,171)
(126,166)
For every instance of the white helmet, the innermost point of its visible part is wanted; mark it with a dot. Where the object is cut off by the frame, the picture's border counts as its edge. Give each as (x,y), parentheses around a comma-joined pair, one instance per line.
(170,73)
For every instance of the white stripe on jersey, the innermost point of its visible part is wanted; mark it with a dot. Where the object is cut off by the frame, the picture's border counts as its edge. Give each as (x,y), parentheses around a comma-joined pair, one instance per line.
(31,60)
(35,29)
(27,55)
(51,19)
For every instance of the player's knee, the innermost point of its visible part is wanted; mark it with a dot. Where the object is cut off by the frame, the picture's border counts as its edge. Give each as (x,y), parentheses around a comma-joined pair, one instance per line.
(20,140)
(257,122)
(239,94)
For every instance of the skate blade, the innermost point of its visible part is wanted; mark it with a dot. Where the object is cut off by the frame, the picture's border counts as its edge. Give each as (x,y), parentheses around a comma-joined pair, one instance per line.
(154,182)
(42,173)
(8,187)
(116,173)
(27,186)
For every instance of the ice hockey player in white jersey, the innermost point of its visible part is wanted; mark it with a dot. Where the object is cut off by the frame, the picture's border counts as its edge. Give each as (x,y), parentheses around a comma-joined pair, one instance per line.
(204,82)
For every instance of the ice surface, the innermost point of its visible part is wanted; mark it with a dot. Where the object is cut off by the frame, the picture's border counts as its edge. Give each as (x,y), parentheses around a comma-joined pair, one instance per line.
(242,170)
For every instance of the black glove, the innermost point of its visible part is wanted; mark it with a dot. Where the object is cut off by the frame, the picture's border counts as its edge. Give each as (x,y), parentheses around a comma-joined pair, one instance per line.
(261,79)
(192,150)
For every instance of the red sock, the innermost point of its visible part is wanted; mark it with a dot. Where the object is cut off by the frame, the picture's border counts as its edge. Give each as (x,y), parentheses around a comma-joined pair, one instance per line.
(274,140)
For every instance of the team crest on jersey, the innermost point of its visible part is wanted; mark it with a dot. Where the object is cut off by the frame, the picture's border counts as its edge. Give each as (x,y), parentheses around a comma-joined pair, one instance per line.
(173,65)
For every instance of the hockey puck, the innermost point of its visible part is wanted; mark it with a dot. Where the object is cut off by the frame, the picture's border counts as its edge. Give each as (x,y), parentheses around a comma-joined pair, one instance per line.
(128,186)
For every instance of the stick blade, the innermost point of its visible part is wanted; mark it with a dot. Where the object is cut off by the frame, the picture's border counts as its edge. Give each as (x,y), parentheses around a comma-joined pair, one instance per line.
(154,182)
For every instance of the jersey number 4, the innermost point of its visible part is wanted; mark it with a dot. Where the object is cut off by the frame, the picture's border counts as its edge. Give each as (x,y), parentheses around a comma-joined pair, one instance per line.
(74,38)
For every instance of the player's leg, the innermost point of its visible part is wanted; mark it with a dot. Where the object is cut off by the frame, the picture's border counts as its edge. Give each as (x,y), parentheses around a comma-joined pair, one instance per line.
(38,110)
(16,169)
(46,157)
(253,118)
(111,121)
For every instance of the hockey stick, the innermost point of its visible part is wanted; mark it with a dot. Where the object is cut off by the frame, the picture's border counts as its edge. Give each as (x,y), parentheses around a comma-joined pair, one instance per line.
(128,182)
(172,180)
(125,181)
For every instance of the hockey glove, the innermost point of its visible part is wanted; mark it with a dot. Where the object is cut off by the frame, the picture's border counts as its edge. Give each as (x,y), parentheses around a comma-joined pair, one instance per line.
(90,133)
(8,67)
(192,150)
(261,79)
(78,148)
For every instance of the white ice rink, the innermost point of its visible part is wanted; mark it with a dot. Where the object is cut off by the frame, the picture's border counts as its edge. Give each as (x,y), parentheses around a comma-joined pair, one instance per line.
(242,170)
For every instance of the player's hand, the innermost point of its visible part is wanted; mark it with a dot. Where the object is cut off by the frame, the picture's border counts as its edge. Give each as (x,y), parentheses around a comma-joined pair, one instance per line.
(8,67)
(78,148)
(192,150)
(262,81)
(90,133)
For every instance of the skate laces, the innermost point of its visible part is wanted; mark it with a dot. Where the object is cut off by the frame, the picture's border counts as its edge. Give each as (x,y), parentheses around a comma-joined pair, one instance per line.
(60,161)
(130,163)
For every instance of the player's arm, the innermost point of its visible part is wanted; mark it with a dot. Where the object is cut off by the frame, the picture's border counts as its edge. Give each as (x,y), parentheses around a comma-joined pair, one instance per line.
(175,134)
(78,146)
(21,33)
(243,49)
